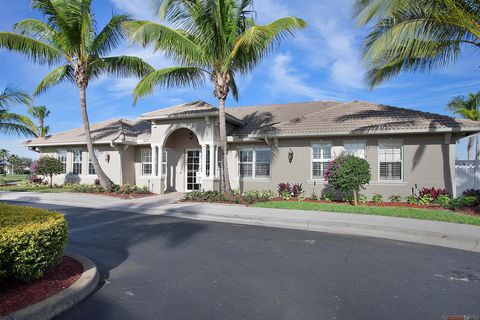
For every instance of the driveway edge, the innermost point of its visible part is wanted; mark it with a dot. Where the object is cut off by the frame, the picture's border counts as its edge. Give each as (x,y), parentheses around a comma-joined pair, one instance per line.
(64,300)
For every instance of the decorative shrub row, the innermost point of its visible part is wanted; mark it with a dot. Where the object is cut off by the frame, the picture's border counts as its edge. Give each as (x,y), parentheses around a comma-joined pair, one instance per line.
(31,240)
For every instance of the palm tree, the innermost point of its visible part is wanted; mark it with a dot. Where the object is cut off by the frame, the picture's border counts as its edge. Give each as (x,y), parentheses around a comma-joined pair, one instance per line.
(468,107)
(411,35)
(14,123)
(210,38)
(69,36)
(40,113)
(14,161)
(3,160)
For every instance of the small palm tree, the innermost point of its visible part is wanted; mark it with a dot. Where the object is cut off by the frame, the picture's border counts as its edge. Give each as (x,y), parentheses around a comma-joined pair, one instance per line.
(14,123)
(411,35)
(4,160)
(40,113)
(69,36)
(14,161)
(215,39)
(468,107)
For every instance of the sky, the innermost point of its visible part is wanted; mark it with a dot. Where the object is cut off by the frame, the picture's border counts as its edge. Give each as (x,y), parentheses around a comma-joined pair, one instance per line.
(323,62)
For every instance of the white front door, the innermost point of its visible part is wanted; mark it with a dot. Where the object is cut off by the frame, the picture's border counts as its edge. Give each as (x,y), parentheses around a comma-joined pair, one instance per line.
(193,163)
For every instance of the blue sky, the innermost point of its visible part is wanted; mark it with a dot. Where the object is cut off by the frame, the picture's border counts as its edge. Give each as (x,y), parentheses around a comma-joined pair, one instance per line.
(322,62)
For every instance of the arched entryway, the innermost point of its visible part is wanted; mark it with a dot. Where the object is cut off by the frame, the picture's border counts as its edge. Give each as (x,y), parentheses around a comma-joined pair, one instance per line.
(184,161)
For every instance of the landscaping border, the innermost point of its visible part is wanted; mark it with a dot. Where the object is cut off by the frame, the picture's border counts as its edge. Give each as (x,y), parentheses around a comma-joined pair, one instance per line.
(64,300)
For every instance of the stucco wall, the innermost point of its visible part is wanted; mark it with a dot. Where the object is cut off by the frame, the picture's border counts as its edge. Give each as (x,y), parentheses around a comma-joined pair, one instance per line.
(428,162)
(112,168)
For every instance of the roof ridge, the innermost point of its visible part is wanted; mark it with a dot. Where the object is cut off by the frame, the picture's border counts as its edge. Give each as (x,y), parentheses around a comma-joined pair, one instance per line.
(284,104)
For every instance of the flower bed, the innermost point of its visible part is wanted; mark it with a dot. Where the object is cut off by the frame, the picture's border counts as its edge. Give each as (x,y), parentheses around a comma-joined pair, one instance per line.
(16,295)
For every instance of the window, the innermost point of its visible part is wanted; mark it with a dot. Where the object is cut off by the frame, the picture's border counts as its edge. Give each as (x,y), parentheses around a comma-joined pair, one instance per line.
(62,156)
(91,169)
(321,157)
(207,163)
(390,161)
(356,149)
(77,161)
(146,162)
(254,163)
(164,161)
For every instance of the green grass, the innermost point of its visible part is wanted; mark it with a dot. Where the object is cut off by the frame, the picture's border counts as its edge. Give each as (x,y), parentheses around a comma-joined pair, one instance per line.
(413,213)
(33,189)
(14,177)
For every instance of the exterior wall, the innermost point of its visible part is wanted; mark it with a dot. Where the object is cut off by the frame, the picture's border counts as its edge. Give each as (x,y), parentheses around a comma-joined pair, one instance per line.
(427,162)
(112,168)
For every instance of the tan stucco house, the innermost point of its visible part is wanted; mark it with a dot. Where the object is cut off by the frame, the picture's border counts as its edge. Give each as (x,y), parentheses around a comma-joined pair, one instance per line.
(177,148)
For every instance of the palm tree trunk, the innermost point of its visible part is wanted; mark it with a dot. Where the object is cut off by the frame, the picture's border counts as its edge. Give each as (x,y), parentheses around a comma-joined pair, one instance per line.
(471,142)
(223,143)
(40,126)
(105,182)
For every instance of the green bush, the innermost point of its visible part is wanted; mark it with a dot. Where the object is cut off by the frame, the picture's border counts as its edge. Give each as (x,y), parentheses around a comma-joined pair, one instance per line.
(443,200)
(348,198)
(314,196)
(425,200)
(348,173)
(395,198)
(470,201)
(377,198)
(253,196)
(31,240)
(49,166)
(362,198)
(411,199)
(328,196)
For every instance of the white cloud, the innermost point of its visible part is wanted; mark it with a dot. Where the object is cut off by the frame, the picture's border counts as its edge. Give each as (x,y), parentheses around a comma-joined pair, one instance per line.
(139,9)
(284,79)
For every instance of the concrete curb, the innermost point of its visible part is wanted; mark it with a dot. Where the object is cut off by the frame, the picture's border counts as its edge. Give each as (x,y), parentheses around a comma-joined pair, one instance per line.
(443,234)
(64,300)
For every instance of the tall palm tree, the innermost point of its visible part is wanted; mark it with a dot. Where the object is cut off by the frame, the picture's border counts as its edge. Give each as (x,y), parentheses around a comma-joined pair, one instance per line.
(468,107)
(14,123)
(215,39)
(411,35)
(40,113)
(68,35)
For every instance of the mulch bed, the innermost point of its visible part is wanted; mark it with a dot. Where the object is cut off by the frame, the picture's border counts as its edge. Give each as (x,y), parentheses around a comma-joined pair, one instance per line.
(16,294)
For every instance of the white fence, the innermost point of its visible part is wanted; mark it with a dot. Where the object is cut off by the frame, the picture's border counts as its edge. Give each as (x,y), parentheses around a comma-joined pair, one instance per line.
(466,175)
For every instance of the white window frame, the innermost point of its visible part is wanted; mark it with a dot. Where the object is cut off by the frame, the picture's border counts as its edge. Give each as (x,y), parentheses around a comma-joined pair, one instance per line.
(142,162)
(164,161)
(402,171)
(97,153)
(254,162)
(63,160)
(355,143)
(322,159)
(74,163)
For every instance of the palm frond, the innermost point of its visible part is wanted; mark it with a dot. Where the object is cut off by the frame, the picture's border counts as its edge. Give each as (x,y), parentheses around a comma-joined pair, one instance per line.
(169,78)
(12,96)
(13,123)
(36,29)
(121,66)
(55,77)
(110,36)
(36,50)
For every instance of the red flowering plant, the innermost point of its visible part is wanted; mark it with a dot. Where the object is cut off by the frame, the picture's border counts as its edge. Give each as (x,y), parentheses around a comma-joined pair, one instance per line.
(433,192)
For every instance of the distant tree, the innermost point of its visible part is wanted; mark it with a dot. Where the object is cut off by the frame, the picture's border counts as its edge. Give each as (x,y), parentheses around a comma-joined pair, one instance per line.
(25,162)
(40,113)
(49,166)
(14,123)
(4,160)
(348,173)
(14,162)
(468,107)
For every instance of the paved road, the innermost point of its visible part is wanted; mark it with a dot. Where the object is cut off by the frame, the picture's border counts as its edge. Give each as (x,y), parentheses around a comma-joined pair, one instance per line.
(155,267)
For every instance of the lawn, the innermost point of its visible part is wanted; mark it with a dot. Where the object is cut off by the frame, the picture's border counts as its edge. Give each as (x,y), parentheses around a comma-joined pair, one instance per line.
(14,177)
(413,213)
(33,189)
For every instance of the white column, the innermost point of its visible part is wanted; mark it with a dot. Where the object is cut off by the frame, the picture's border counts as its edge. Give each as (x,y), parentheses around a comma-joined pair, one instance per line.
(204,159)
(160,162)
(212,161)
(154,160)
(217,156)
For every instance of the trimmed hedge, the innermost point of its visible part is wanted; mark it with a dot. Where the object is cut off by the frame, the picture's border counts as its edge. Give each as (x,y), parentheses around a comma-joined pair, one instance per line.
(31,240)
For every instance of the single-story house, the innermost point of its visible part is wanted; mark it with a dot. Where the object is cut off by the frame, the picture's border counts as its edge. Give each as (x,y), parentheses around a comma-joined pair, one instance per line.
(177,148)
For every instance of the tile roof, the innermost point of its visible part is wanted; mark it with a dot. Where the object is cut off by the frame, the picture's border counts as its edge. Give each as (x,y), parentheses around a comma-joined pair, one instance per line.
(304,118)
(115,129)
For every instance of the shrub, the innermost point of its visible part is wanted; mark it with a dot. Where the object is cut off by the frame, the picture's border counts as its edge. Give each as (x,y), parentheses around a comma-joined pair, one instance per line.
(456,203)
(443,200)
(301,196)
(253,196)
(470,201)
(348,174)
(284,187)
(348,198)
(31,240)
(472,193)
(395,198)
(314,196)
(286,195)
(411,199)
(328,196)
(297,189)
(377,198)
(362,198)
(432,192)
(3,181)
(49,166)
(35,179)
(425,200)
(84,188)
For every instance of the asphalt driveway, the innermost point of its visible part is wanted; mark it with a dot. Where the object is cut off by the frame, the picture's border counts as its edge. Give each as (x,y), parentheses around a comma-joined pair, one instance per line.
(155,267)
